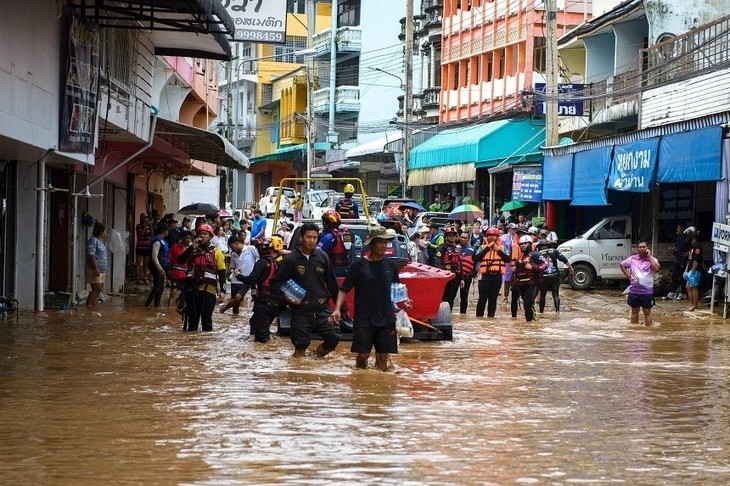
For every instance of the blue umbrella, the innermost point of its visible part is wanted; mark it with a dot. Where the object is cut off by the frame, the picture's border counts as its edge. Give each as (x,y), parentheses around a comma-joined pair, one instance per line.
(412,205)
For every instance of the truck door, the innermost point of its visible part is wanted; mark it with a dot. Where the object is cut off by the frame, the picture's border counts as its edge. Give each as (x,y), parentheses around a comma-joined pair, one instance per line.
(611,245)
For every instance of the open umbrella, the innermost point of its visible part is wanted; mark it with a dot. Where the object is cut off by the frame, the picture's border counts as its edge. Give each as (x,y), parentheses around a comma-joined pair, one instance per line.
(223,213)
(199,208)
(412,205)
(466,212)
(512,205)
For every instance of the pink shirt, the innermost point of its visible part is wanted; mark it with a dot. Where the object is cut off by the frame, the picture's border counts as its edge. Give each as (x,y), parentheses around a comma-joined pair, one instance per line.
(642,276)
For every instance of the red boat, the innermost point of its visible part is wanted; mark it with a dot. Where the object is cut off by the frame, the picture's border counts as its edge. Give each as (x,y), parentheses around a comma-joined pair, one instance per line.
(425,286)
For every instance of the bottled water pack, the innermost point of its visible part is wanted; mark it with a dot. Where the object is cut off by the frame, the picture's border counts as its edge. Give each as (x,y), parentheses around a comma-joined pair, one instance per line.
(293,291)
(398,292)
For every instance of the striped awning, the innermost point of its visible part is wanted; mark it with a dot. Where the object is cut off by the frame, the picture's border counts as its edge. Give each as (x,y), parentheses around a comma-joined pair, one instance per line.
(442,175)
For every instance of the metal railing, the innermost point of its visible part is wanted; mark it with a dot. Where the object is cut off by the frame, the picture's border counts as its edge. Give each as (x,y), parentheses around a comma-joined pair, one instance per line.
(701,50)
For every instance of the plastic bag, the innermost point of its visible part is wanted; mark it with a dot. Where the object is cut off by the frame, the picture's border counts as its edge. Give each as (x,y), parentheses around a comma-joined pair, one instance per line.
(118,241)
(403,326)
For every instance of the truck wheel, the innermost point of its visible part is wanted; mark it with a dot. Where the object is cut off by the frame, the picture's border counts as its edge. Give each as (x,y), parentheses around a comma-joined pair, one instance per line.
(583,277)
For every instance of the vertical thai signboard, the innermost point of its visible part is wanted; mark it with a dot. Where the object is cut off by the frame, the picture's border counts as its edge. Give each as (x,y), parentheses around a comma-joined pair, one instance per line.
(527,184)
(258,20)
(78,122)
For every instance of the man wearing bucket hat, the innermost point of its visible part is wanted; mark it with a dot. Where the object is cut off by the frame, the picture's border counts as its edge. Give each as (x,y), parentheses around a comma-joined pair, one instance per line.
(374,326)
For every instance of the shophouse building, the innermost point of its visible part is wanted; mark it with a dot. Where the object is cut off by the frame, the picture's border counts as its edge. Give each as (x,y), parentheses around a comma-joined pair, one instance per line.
(100,110)
(653,141)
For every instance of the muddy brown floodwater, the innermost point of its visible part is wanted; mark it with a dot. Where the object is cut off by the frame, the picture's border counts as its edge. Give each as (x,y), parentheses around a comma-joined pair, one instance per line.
(582,397)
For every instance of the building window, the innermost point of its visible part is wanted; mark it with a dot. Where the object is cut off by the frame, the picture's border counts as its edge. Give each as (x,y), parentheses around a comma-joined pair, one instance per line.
(539,62)
(286,52)
(348,13)
(455,78)
(296,6)
(117,56)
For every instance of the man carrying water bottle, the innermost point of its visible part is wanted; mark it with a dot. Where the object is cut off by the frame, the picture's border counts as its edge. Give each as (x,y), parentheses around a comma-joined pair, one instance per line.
(311,269)
(372,276)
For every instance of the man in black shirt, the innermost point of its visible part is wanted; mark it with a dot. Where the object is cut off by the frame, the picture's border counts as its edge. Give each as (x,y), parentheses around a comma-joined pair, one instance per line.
(311,269)
(371,276)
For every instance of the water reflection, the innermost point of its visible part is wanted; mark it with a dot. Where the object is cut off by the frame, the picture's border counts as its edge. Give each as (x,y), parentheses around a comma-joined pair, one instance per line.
(580,397)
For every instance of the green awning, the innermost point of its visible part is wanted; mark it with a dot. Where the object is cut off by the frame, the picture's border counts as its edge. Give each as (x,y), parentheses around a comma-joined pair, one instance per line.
(484,144)
(289,153)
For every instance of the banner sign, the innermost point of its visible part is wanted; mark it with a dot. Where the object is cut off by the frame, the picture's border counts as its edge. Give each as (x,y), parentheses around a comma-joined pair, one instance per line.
(633,167)
(570,99)
(527,184)
(721,236)
(258,20)
(81,89)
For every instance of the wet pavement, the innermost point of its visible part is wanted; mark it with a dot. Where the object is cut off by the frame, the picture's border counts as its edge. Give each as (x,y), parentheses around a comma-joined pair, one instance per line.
(579,397)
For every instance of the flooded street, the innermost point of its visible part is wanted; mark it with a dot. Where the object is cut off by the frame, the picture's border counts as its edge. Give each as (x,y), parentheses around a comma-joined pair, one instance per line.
(583,397)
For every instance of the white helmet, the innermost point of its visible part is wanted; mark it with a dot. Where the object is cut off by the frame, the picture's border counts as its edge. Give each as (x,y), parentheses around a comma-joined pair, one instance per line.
(690,231)
(525,239)
(532,230)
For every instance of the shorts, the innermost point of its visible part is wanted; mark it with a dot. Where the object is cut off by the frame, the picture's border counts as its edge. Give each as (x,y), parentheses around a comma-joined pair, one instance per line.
(693,278)
(384,338)
(142,252)
(94,279)
(239,289)
(178,284)
(640,300)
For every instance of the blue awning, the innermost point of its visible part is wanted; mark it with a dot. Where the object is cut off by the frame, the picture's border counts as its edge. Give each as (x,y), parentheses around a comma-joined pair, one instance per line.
(557,177)
(633,167)
(691,156)
(484,144)
(590,170)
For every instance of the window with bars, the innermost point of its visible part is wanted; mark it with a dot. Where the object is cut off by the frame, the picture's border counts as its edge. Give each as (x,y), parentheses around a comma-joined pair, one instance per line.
(286,52)
(117,56)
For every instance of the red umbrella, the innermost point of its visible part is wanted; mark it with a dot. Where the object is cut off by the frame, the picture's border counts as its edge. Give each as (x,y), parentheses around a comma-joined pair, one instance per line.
(223,212)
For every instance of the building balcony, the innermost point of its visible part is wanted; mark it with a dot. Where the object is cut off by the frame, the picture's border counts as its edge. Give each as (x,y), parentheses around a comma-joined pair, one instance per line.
(431,98)
(429,5)
(347,100)
(293,129)
(348,41)
(615,98)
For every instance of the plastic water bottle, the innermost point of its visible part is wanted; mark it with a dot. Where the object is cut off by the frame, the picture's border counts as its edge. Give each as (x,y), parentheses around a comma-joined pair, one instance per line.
(404,291)
(293,291)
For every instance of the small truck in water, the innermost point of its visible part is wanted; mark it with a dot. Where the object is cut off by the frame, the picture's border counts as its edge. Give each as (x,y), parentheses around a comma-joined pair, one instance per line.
(598,252)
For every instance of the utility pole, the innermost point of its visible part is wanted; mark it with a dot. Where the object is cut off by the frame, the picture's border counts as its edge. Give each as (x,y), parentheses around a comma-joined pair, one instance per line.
(408,99)
(311,27)
(551,82)
(229,101)
(331,133)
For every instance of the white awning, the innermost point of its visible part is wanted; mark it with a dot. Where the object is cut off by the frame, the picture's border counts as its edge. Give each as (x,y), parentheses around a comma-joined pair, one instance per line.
(442,175)
(372,147)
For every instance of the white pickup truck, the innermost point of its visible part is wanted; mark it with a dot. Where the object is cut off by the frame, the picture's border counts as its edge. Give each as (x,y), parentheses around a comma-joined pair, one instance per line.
(598,252)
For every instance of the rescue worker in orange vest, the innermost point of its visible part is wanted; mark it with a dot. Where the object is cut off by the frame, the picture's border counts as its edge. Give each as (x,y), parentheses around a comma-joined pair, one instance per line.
(346,206)
(526,271)
(449,257)
(332,243)
(266,303)
(206,271)
(492,260)
(467,271)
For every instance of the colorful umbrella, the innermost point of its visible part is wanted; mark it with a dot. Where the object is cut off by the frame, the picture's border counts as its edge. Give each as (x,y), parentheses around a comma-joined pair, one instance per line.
(223,213)
(512,205)
(466,212)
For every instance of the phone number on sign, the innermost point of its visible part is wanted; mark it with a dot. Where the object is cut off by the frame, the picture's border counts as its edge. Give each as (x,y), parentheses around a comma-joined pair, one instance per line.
(260,36)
